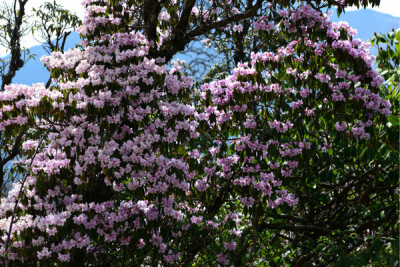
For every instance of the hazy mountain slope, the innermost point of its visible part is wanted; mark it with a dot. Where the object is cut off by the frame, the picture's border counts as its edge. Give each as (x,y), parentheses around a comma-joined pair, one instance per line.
(34,71)
(368,21)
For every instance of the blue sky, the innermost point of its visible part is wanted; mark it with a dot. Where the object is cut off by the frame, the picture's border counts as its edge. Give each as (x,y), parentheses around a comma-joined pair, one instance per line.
(366,21)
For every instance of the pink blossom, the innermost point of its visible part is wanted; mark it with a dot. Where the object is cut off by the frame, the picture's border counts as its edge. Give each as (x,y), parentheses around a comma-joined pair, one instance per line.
(222,258)
(196,219)
(247,201)
(230,246)
(340,126)
(64,257)
(45,253)
(201,185)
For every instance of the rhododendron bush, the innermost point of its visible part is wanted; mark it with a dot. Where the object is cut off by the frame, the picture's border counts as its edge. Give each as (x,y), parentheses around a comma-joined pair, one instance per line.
(128,163)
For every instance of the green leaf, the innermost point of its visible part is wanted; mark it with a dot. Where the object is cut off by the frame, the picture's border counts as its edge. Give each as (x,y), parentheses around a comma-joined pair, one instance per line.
(394,120)
(384,72)
(381,40)
(394,157)
(377,245)
(396,90)
(397,37)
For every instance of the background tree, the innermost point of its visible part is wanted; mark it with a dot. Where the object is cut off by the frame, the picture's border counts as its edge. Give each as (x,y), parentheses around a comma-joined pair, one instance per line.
(13,28)
(54,24)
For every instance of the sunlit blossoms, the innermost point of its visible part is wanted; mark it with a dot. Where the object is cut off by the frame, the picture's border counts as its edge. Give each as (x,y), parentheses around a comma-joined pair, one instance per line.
(132,169)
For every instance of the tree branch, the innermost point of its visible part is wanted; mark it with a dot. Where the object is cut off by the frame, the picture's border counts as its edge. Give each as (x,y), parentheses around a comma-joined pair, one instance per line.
(179,40)
(295,228)
(16,61)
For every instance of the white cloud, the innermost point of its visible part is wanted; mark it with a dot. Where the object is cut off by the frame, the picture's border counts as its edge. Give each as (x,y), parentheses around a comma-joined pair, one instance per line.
(74,6)
(391,7)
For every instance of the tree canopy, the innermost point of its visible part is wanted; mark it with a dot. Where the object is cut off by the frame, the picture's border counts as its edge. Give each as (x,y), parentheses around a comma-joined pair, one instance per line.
(284,154)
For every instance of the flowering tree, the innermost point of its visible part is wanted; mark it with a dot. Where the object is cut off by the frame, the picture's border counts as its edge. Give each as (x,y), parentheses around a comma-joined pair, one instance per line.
(54,24)
(140,168)
(288,113)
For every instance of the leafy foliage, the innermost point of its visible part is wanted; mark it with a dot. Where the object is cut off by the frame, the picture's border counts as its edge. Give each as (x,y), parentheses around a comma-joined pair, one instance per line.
(289,158)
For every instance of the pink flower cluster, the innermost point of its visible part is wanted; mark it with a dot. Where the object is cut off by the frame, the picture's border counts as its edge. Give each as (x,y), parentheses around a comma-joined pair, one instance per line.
(123,132)
(122,160)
